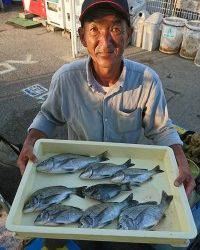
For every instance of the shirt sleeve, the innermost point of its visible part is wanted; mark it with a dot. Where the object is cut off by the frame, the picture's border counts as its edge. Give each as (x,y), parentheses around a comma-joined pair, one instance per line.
(50,114)
(156,122)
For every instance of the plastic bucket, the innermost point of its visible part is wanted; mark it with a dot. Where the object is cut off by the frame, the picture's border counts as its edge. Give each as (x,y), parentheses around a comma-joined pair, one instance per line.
(191,40)
(152,32)
(172,34)
(138,28)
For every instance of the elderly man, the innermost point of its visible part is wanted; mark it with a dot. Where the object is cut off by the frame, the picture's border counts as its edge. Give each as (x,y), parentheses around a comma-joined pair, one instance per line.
(106,97)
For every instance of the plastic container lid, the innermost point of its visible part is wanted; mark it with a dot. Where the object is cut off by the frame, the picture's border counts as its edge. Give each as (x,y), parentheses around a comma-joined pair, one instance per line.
(155,18)
(175,21)
(193,25)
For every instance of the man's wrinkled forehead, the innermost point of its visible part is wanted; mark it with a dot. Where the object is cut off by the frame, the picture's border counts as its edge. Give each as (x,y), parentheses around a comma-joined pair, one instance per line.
(114,20)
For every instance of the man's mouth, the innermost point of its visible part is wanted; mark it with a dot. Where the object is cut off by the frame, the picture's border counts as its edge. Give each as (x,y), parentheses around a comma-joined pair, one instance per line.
(105,53)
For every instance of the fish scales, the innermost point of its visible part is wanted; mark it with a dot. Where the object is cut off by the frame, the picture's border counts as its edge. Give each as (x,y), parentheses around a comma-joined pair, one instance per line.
(58,214)
(103,214)
(104,192)
(103,170)
(144,216)
(44,197)
(68,163)
(135,179)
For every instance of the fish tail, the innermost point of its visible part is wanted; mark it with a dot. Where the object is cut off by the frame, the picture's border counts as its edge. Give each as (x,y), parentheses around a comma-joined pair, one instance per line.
(126,187)
(103,156)
(166,199)
(157,170)
(80,191)
(128,164)
(128,199)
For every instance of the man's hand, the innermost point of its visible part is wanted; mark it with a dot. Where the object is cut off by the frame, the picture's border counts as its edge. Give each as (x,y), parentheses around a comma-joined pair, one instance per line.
(185,176)
(27,150)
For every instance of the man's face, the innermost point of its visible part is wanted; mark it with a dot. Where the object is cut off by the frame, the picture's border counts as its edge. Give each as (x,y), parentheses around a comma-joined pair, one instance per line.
(105,40)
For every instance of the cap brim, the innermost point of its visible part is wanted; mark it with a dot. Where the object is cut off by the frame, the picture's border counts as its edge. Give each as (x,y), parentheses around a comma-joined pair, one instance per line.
(110,3)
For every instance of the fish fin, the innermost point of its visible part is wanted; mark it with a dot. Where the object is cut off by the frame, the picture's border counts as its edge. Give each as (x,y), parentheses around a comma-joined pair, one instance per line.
(129,164)
(85,171)
(103,156)
(80,191)
(134,203)
(105,224)
(149,179)
(157,170)
(69,170)
(126,187)
(50,199)
(145,169)
(149,203)
(106,176)
(149,227)
(129,198)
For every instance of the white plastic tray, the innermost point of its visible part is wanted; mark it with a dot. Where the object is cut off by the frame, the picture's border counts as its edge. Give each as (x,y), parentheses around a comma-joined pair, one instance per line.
(177,227)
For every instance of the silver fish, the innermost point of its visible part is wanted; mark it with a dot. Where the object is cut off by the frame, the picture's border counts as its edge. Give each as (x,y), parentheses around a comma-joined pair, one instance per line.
(136,179)
(144,216)
(58,215)
(44,197)
(103,214)
(103,170)
(68,163)
(130,212)
(124,176)
(104,192)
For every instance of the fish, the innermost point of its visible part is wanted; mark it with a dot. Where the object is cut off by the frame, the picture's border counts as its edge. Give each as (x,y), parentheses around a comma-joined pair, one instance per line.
(136,180)
(104,192)
(130,212)
(124,176)
(44,197)
(58,214)
(144,216)
(68,163)
(99,171)
(103,214)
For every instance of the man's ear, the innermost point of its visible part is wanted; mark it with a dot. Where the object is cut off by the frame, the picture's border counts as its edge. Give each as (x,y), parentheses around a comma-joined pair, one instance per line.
(129,35)
(82,36)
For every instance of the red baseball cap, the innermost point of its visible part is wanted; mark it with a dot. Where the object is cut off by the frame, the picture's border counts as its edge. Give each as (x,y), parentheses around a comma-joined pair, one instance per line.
(120,5)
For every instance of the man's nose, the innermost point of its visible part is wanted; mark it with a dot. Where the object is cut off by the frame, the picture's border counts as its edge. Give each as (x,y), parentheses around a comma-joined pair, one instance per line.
(106,40)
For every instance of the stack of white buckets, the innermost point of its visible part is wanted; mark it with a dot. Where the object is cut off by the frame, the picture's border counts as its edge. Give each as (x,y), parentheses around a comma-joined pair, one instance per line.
(170,35)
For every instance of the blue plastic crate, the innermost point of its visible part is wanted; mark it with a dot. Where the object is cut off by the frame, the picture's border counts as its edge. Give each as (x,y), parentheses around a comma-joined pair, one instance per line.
(38,244)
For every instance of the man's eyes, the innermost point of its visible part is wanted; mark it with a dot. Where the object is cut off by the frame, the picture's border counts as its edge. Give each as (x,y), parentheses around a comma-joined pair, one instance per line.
(113,30)
(94,29)
(116,30)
